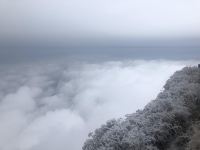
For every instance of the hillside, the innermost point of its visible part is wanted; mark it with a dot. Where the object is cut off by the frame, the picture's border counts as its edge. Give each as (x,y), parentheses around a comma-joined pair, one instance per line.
(170,122)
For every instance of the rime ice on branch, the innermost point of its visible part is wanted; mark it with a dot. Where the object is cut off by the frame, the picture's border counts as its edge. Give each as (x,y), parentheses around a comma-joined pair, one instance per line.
(161,121)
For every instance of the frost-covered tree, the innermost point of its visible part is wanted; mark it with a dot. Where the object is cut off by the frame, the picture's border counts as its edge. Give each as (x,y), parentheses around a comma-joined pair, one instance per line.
(160,123)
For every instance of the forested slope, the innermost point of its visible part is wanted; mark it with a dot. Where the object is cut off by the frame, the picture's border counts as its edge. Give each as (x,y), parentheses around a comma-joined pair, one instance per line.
(170,122)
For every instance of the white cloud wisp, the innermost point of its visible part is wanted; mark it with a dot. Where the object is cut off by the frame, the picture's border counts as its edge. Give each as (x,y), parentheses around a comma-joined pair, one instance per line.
(55,106)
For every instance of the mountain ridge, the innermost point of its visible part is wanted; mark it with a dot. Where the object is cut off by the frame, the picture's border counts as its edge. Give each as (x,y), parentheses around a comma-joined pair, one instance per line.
(170,122)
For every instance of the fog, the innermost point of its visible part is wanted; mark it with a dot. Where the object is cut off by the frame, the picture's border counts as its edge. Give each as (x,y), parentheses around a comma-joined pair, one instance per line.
(68,66)
(54,105)
(70,20)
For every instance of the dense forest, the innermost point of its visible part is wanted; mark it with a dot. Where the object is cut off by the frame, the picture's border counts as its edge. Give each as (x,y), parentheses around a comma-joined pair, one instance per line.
(170,122)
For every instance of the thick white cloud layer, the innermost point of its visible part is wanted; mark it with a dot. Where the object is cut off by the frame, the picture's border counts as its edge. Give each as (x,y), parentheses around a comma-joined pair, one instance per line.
(54,106)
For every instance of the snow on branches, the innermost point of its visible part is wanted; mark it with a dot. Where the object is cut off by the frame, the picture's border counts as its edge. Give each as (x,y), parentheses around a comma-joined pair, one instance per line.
(159,123)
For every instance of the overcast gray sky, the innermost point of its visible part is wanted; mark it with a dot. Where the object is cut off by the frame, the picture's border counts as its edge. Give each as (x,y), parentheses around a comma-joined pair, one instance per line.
(39,26)
(78,19)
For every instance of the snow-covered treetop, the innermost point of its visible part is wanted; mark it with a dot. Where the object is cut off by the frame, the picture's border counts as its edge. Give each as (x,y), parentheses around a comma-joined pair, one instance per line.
(159,123)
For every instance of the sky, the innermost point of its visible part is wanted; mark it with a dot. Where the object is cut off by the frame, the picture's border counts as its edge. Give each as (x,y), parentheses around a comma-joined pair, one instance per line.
(32,29)
(68,66)
(78,21)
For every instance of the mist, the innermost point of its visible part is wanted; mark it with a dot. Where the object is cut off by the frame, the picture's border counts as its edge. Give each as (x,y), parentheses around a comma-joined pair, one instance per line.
(74,21)
(55,105)
(68,66)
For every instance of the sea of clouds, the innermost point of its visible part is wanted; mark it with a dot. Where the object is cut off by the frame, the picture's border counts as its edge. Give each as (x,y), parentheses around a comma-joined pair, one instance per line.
(53,106)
